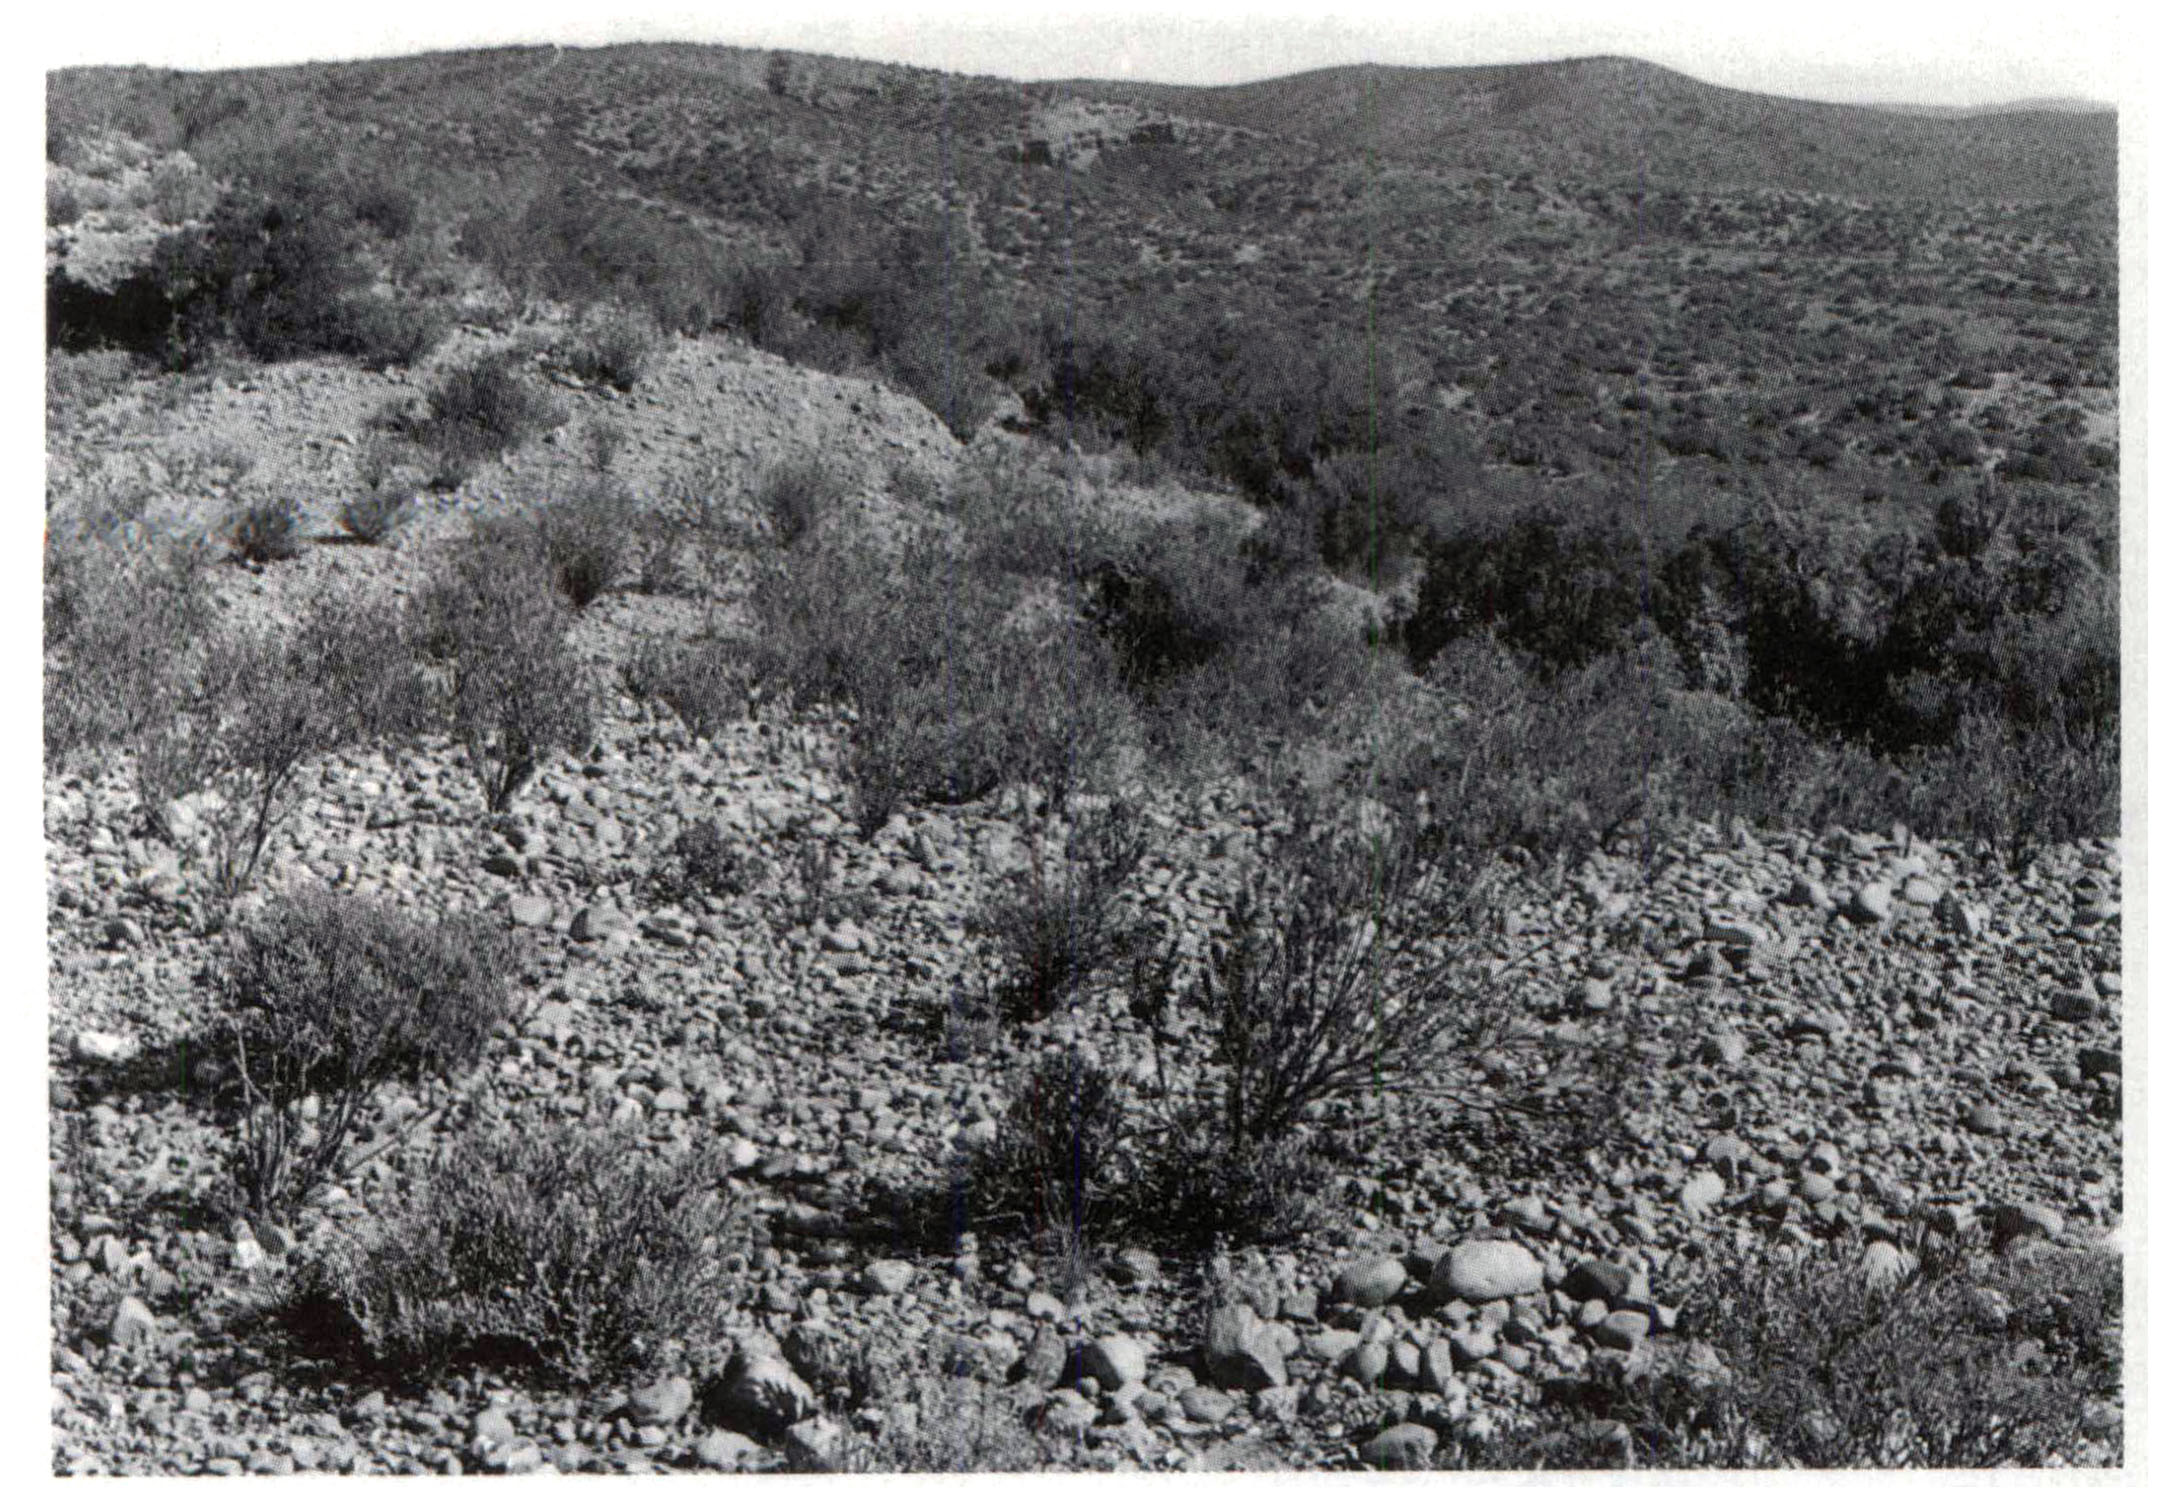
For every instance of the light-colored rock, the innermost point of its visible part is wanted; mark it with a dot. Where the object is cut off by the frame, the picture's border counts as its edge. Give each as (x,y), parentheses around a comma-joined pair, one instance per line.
(1489,1269)
(1242,1353)
(1116,1362)
(1404,1445)
(1370,1282)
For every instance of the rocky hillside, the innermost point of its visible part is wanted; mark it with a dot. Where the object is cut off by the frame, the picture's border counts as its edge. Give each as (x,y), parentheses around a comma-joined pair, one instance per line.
(1830,1049)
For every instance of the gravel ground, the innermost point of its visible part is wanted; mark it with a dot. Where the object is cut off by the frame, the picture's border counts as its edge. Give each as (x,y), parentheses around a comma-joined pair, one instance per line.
(1835,1033)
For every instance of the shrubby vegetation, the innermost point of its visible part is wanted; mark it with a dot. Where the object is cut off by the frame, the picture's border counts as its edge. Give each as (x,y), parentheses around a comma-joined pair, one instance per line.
(570,1253)
(329,997)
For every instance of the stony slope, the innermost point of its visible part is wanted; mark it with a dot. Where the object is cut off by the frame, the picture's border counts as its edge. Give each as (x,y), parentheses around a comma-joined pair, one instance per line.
(1837,1033)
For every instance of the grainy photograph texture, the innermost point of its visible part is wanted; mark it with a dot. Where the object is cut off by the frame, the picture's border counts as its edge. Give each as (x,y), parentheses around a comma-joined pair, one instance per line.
(764,762)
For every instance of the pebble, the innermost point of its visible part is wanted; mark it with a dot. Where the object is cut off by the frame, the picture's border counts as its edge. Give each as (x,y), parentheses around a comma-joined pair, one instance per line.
(1404,1445)
(1242,1351)
(1115,1363)
(1370,1282)
(1491,1270)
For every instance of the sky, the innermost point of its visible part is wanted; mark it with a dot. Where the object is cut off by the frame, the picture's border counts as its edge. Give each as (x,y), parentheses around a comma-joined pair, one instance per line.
(1981,51)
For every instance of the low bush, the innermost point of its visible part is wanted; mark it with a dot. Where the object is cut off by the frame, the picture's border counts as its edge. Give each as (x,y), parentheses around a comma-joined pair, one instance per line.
(573,1254)
(1352,961)
(947,1424)
(480,410)
(263,531)
(949,692)
(1054,933)
(611,346)
(1964,1363)
(706,680)
(794,494)
(329,997)
(703,860)
(123,609)
(495,622)
(1061,1165)
(372,515)
(588,535)
(251,709)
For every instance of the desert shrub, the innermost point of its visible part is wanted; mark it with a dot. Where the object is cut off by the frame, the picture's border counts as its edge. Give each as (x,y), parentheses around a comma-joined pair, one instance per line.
(949,692)
(388,332)
(706,680)
(1053,933)
(1198,1192)
(370,516)
(587,534)
(481,410)
(251,709)
(577,245)
(946,1424)
(611,346)
(1062,1158)
(794,494)
(1964,1364)
(264,530)
(329,997)
(1347,964)
(570,1253)
(123,606)
(704,860)
(604,439)
(495,621)
(943,379)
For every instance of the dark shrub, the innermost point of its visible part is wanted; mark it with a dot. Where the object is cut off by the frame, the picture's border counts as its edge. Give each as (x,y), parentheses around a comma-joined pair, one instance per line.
(1053,934)
(481,410)
(257,707)
(570,1253)
(704,860)
(329,996)
(794,494)
(370,517)
(612,346)
(587,533)
(1350,962)
(1061,1158)
(265,530)
(385,332)
(496,622)
(123,607)
(705,680)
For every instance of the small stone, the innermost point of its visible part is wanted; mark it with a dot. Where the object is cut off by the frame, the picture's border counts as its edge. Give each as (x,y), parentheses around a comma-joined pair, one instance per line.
(760,1395)
(1330,1346)
(1597,1280)
(814,1445)
(887,1277)
(729,1451)
(1135,1267)
(132,1323)
(1884,1266)
(1963,918)
(1491,1270)
(1983,1119)
(1117,1362)
(1624,1330)
(1367,1363)
(1871,903)
(104,1046)
(1205,1405)
(662,1403)
(1921,891)
(2017,1219)
(1370,1282)
(2073,1005)
(1723,1049)
(1045,1362)
(1242,1353)
(530,911)
(1702,1192)
(1405,1445)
